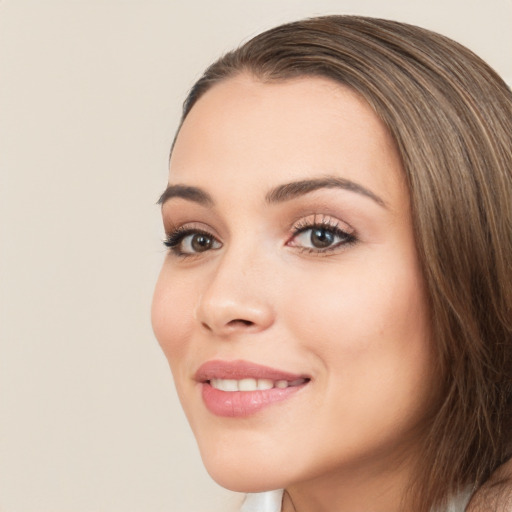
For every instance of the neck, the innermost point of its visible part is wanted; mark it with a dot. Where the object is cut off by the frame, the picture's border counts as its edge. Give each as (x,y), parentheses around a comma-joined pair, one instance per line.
(362,489)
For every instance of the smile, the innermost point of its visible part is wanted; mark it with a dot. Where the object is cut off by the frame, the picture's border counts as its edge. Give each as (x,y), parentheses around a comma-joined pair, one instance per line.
(240,389)
(253,384)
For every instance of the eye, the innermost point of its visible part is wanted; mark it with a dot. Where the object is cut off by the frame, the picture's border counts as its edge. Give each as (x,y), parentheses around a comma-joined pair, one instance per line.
(321,236)
(187,242)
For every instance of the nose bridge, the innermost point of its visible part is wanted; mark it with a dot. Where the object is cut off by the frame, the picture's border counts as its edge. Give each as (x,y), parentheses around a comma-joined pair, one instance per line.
(237,295)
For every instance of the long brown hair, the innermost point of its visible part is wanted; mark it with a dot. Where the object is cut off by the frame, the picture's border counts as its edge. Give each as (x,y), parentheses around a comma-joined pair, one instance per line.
(450,115)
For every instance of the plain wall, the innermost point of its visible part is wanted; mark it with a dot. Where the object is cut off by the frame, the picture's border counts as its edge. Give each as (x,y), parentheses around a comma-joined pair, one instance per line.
(90,95)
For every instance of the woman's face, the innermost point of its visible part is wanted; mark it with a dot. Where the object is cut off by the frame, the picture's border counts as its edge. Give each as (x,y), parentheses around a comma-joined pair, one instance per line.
(291,304)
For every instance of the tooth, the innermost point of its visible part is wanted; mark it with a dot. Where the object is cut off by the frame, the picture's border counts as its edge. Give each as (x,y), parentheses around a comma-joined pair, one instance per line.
(230,385)
(265,384)
(215,383)
(225,384)
(247,385)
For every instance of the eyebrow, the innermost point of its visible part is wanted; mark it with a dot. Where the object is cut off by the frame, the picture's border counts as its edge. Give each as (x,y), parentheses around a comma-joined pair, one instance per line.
(279,194)
(299,188)
(195,194)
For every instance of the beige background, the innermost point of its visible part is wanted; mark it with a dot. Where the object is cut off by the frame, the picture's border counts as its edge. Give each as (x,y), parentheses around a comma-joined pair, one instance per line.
(90,93)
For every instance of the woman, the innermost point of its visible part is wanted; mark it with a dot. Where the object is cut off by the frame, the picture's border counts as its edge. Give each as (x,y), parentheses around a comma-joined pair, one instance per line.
(336,302)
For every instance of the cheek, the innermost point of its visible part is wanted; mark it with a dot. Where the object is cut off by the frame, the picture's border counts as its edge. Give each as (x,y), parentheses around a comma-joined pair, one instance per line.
(172,314)
(369,315)
(369,332)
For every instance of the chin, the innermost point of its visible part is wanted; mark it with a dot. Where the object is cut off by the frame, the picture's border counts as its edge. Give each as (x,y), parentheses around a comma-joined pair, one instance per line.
(242,473)
(246,483)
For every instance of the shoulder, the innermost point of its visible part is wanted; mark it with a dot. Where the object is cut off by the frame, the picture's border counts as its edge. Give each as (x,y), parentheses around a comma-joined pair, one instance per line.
(495,495)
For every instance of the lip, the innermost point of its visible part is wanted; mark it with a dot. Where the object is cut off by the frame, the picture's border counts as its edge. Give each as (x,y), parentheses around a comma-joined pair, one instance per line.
(217,369)
(243,403)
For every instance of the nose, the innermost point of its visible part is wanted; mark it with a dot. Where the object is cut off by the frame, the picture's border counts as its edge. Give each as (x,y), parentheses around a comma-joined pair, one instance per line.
(236,298)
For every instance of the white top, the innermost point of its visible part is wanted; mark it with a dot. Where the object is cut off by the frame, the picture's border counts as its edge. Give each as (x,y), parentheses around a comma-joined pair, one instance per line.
(263,502)
(271,502)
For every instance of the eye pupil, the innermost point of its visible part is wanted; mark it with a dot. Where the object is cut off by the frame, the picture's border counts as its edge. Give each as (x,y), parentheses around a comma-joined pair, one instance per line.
(201,243)
(321,237)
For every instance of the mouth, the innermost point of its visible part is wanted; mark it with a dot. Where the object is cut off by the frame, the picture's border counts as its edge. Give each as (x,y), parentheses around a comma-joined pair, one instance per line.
(240,388)
(249,384)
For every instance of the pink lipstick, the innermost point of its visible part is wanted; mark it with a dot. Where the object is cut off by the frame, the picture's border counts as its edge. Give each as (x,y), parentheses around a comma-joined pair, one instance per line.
(240,388)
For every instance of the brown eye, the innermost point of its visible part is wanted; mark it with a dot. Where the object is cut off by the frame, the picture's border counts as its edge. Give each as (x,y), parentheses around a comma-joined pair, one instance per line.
(200,242)
(197,242)
(189,242)
(321,238)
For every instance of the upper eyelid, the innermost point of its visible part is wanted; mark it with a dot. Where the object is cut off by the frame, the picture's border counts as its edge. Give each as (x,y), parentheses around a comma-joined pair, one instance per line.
(325,220)
(173,227)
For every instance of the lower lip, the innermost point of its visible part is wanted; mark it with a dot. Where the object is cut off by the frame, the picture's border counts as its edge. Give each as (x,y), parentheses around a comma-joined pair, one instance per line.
(239,404)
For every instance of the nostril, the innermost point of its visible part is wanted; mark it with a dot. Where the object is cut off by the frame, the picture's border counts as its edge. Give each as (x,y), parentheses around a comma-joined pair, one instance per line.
(239,321)
(231,326)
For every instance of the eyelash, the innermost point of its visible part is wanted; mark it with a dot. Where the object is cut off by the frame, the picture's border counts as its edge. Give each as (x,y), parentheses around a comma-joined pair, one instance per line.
(175,238)
(327,224)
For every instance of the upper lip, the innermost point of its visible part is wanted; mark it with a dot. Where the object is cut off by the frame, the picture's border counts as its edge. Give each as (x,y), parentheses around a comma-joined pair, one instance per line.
(237,370)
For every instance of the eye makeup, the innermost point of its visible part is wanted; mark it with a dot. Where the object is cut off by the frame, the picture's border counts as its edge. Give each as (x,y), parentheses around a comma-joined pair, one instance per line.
(321,234)
(186,241)
(315,234)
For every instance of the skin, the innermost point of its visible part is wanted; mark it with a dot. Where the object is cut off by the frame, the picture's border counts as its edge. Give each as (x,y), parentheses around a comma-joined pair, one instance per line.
(495,495)
(353,317)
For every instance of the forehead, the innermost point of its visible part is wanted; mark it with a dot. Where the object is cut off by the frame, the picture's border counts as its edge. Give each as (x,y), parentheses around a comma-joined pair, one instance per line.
(251,132)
